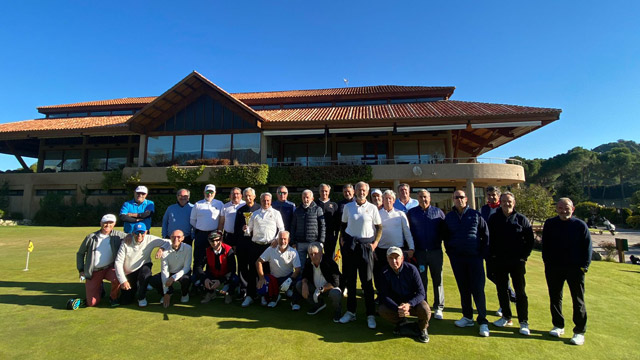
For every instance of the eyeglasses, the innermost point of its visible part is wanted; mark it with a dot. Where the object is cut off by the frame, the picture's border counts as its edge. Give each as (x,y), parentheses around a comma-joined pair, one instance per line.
(208,192)
(141,193)
(459,197)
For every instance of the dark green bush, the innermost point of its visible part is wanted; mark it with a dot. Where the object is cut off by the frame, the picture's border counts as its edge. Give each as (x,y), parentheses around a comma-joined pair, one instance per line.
(634,221)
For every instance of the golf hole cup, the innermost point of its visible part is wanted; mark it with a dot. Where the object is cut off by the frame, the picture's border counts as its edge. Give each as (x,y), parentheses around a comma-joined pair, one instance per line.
(247,216)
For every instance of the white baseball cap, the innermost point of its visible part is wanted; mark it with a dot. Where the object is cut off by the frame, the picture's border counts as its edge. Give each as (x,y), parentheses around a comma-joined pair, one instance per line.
(210,187)
(142,189)
(108,218)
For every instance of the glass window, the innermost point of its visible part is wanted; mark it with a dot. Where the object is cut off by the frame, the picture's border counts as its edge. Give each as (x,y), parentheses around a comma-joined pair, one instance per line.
(375,153)
(97,160)
(318,155)
(100,113)
(350,152)
(72,160)
(187,147)
(295,154)
(122,112)
(406,152)
(78,114)
(246,148)
(217,146)
(117,159)
(431,151)
(159,150)
(52,161)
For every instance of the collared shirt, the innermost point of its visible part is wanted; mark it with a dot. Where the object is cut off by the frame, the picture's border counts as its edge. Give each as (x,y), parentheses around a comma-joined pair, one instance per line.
(177,218)
(103,255)
(281,263)
(206,215)
(229,213)
(425,227)
(318,279)
(132,207)
(132,255)
(176,262)
(361,219)
(402,207)
(396,229)
(265,224)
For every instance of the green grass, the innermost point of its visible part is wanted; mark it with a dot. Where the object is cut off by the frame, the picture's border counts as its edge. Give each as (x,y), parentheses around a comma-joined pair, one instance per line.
(35,324)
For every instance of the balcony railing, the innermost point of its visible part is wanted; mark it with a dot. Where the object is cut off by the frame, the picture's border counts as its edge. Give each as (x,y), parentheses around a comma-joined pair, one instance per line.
(378,161)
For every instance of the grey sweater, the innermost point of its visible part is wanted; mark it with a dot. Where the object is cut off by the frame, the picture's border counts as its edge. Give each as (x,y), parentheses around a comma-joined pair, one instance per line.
(85,255)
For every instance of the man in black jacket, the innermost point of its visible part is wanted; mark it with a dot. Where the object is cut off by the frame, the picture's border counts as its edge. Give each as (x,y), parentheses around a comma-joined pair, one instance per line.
(566,252)
(510,246)
(307,226)
(320,279)
(331,218)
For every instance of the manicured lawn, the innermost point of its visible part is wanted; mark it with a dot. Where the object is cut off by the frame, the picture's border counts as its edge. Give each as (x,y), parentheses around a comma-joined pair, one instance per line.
(35,324)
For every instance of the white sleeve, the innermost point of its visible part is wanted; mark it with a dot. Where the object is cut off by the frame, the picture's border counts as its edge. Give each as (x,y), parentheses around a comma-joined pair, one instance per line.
(119,264)
(406,232)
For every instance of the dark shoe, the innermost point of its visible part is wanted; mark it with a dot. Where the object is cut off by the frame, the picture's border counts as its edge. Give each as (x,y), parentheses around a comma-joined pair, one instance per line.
(424,336)
(114,302)
(400,328)
(316,308)
(336,317)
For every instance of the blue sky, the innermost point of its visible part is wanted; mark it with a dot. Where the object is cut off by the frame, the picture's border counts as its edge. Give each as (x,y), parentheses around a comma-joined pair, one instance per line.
(580,56)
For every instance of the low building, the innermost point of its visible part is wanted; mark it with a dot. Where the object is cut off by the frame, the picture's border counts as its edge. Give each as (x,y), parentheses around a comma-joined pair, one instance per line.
(412,134)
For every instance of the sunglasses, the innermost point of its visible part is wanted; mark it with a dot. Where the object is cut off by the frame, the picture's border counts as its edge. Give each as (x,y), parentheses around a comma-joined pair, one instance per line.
(208,192)
(459,197)
(282,193)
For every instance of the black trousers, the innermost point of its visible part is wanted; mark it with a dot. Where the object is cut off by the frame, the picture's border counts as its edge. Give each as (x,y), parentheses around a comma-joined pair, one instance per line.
(359,260)
(138,280)
(255,250)
(502,271)
(491,271)
(469,274)
(379,262)
(556,276)
(185,283)
(200,245)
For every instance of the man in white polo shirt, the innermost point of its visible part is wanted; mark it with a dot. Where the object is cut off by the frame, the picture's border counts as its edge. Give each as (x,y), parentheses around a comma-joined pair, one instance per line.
(284,267)
(263,226)
(362,227)
(206,216)
(175,266)
(229,212)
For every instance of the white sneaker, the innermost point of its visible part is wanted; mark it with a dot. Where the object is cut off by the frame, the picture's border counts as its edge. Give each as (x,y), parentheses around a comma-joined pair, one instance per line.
(247,301)
(464,322)
(438,315)
(273,304)
(347,317)
(499,312)
(184,299)
(371,322)
(524,328)
(295,307)
(263,301)
(484,330)
(577,339)
(556,332)
(502,322)
(142,303)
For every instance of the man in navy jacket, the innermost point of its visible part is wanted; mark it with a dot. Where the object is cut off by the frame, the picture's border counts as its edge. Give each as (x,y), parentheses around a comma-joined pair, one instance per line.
(466,238)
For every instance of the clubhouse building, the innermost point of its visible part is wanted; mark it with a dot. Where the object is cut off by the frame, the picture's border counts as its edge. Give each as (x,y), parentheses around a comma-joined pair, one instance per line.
(412,134)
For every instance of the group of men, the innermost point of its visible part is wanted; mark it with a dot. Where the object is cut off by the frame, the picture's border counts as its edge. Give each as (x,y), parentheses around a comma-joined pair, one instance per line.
(273,249)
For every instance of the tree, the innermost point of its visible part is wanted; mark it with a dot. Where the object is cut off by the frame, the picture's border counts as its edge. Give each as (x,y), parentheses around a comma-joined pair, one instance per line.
(620,162)
(571,187)
(534,202)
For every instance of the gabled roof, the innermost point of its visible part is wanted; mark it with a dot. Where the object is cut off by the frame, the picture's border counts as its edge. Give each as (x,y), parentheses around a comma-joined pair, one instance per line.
(191,85)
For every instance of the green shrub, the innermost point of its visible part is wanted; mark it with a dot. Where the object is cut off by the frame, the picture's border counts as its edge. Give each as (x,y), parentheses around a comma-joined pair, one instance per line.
(1,214)
(585,209)
(240,175)
(54,211)
(610,250)
(16,215)
(312,176)
(616,215)
(634,221)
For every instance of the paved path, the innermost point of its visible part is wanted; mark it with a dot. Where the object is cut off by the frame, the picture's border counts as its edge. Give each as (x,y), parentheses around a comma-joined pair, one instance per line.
(633,236)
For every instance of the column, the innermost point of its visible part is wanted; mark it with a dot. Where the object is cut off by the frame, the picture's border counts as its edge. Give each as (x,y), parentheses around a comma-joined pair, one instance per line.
(471,194)
(141,150)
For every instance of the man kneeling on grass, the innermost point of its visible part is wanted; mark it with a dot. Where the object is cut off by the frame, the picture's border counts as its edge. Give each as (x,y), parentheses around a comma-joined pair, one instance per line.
(220,274)
(133,263)
(401,294)
(175,266)
(284,266)
(95,259)
(320,279)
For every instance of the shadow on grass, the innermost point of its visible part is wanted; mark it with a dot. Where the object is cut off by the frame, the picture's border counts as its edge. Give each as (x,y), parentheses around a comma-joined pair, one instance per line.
(54,295)
(631,271)
(233,316)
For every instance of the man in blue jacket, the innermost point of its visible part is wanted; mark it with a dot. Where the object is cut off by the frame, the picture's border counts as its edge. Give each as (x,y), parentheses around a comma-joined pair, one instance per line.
(466,238)
(566,252)
(139,209)
(401,294)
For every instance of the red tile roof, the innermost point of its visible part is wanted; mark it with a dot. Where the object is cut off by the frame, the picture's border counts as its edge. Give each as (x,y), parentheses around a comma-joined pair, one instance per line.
(141,101)
(98,124)
(436,109)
